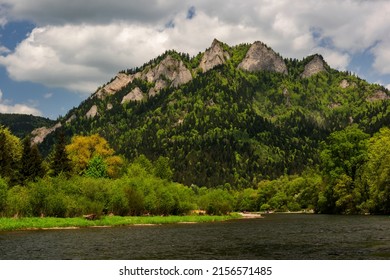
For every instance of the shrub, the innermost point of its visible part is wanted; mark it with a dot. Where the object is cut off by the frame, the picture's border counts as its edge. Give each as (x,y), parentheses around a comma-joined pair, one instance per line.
(3,195)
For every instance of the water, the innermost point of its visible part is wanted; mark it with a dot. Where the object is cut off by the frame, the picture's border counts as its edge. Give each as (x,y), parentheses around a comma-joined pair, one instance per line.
(277,236)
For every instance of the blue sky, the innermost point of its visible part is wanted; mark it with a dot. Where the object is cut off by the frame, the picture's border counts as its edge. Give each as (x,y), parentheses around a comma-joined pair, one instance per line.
(54,54)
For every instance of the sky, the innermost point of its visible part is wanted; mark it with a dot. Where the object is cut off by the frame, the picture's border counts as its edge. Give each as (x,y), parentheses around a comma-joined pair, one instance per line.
(55,53)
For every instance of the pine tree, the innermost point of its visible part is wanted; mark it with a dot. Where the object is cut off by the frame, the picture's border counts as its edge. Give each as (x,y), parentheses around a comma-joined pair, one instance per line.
(60,162)
(31,163)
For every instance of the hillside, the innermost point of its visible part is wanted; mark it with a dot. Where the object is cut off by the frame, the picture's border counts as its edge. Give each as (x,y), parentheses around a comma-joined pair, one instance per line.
(229,116)
(22,125)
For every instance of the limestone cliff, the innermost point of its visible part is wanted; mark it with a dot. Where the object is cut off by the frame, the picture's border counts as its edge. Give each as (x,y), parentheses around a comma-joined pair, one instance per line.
(135,95)
(171,69)
(261,58)
(120,81)
(213,57)
(39,134)
(315,66)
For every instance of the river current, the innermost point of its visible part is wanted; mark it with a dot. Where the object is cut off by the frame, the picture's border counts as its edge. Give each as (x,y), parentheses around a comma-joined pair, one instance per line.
(276,236)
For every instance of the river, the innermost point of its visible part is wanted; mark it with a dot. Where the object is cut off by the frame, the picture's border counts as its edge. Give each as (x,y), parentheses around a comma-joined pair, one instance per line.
(276,236)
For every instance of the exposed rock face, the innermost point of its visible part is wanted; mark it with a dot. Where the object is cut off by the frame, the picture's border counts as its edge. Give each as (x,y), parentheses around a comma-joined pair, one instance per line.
(92,112)
(172,69)
(344,84)
(160,84)
(134,95)
(73,117)
(377,96)
(213,57)
(40,134)
(315,66)
(120,81)
(261,58)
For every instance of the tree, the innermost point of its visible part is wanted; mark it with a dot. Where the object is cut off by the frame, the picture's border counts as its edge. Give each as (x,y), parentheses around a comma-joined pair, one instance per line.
(97,168)
(31,163)
(162,168)
(3,194)
(10,155)
(83,149)
(60,163)
(377,172)
(342,159)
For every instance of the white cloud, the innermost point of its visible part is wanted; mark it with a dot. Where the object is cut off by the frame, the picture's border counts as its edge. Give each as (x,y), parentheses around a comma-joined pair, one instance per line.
(4,50)
(79,45)
(382,57)
(48,95)
(5,107)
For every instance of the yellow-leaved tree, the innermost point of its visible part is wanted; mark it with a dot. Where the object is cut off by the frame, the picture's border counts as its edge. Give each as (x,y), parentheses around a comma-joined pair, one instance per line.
(83,149)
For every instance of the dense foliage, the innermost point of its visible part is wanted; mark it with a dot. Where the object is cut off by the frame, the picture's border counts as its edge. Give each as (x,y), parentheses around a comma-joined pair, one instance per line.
(21,125)
(232,140)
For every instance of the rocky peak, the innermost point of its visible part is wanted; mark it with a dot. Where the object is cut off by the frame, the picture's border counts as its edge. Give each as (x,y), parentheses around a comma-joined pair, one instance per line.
(172,69)
(213,56)
(261,58)
(315,66)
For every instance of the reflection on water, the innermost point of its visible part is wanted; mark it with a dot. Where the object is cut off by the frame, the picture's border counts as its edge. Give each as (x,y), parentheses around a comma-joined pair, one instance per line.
(277,236)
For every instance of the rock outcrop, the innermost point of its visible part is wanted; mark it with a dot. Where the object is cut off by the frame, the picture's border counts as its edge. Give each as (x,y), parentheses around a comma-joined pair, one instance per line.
(315,66)
(213,57)
(39,134)
(92,112)
(378,96)
(134,95)
(172,69)
(120,81)
(261,58)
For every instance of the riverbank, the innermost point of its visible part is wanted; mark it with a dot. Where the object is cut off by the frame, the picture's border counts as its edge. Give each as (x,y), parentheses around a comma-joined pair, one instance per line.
(46,223)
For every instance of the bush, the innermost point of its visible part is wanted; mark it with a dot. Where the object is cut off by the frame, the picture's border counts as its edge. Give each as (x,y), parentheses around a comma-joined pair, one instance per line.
(217,202)
(3,195)
(18,202)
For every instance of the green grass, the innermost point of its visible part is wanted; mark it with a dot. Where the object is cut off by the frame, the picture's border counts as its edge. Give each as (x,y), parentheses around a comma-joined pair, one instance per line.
(8,224)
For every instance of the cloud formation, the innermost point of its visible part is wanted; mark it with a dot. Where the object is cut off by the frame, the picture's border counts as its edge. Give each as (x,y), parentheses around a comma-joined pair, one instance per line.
(79,45)
(7,108)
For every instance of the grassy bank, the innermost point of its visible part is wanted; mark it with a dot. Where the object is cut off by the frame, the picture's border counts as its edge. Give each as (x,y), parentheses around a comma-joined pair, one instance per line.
(8,224)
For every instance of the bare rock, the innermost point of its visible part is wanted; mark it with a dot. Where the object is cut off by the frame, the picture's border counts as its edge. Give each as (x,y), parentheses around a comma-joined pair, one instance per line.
(120,81)
(261,58)
(92,112)
(134,95)
(69,120)
(172,69)
(40,134)
(378,96)
(213,57)
(344,84)
(109,106)
(315,66)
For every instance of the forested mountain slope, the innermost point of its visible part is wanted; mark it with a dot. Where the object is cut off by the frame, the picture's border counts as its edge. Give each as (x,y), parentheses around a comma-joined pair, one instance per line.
(22,125)
(230,116)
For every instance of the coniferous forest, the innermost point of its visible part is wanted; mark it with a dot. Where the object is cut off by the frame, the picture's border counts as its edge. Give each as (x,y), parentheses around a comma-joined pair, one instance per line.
(226,140)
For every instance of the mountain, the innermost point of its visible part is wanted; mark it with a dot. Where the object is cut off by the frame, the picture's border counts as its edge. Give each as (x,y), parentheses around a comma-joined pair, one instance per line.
(22,125)
(229,116)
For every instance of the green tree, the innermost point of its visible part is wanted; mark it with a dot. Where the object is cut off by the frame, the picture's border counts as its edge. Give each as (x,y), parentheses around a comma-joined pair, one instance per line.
(3,194)
(162,168)
(60,162)
(31,163)
(377,172)
(10,155)
(97,168)
(342,159)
